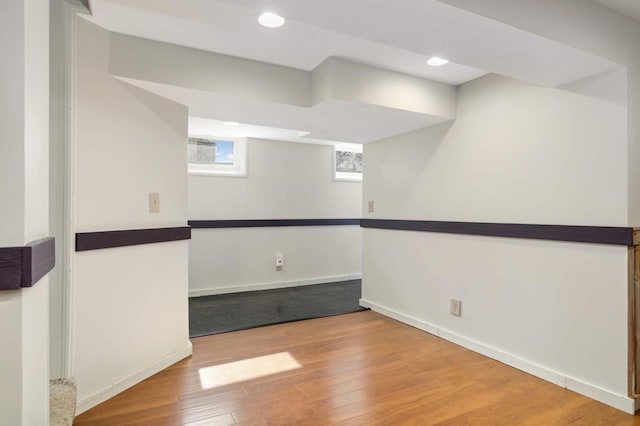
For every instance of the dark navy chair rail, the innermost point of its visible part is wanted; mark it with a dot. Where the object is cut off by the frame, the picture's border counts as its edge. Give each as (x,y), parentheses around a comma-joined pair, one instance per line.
(24,266)
(580,234)
(111,239)
(265,223)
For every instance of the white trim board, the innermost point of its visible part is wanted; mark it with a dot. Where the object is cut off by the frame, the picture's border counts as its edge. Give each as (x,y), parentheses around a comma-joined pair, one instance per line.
(121,385)
(270,285)
(621,402)
(72,12)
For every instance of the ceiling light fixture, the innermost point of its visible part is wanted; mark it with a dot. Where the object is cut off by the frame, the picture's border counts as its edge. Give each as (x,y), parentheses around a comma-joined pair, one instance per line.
(271,20)
(231,123)
(436,61)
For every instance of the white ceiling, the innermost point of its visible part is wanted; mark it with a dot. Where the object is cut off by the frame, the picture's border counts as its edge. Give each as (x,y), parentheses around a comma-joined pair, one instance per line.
(630,8)
(388,34)
(232,28)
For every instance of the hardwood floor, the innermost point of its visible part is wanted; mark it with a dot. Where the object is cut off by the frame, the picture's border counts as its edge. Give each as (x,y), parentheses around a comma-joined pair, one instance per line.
(355,369)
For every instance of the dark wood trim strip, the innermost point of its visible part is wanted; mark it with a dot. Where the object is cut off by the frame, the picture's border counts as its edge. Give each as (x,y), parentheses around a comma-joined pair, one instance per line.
(39,257)
(22,267)
(633,326)
(580,234)
(263,223)
(110,239)
(10,268)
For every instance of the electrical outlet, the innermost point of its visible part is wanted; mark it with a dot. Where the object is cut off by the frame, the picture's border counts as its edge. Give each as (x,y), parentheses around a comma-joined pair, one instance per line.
(370,206)
(279,261)
(456,307)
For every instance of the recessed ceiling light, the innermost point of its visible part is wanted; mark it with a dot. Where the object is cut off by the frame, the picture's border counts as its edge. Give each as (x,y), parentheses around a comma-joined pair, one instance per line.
(271,20)
(436,61)
(231,123)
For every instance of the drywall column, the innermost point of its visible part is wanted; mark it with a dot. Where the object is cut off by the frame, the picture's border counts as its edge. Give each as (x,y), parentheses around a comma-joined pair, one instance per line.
(57,118)
(130,314)
(24,111)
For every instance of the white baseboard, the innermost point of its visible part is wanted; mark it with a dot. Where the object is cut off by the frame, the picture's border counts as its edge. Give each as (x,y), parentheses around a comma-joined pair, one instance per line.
(87,402)
(271,285)
(621,402)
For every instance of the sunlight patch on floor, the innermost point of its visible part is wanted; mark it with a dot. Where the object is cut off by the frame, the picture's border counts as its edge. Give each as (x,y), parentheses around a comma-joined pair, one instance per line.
(246,369)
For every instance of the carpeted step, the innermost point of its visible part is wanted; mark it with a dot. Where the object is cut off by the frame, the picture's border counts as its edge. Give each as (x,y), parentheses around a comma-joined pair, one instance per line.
(238,311)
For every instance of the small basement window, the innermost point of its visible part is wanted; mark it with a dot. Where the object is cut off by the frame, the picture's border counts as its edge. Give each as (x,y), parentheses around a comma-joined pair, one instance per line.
(347,162)
(217,156)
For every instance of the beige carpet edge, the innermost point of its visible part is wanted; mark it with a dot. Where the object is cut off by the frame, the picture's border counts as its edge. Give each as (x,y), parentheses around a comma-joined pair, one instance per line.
(62,402)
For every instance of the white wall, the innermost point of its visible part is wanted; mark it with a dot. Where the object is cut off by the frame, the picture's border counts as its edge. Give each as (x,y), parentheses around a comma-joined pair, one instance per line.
(285,181)
(35,301)
(130,303)
(12,111)
(593,28)
(130,317)
(517,153)
(24,192)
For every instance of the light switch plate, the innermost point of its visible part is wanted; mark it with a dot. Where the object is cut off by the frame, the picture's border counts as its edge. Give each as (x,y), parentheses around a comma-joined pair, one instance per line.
(154,202)
(370,206)
(456,307)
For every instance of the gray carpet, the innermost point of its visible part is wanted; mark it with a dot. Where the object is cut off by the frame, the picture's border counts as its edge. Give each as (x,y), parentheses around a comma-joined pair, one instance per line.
(238,311)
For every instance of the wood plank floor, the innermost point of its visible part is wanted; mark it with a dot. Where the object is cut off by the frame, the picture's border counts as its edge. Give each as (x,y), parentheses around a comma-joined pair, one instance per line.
(354,369)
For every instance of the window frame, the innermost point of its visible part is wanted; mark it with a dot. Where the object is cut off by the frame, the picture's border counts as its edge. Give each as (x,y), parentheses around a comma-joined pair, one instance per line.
(237,169)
